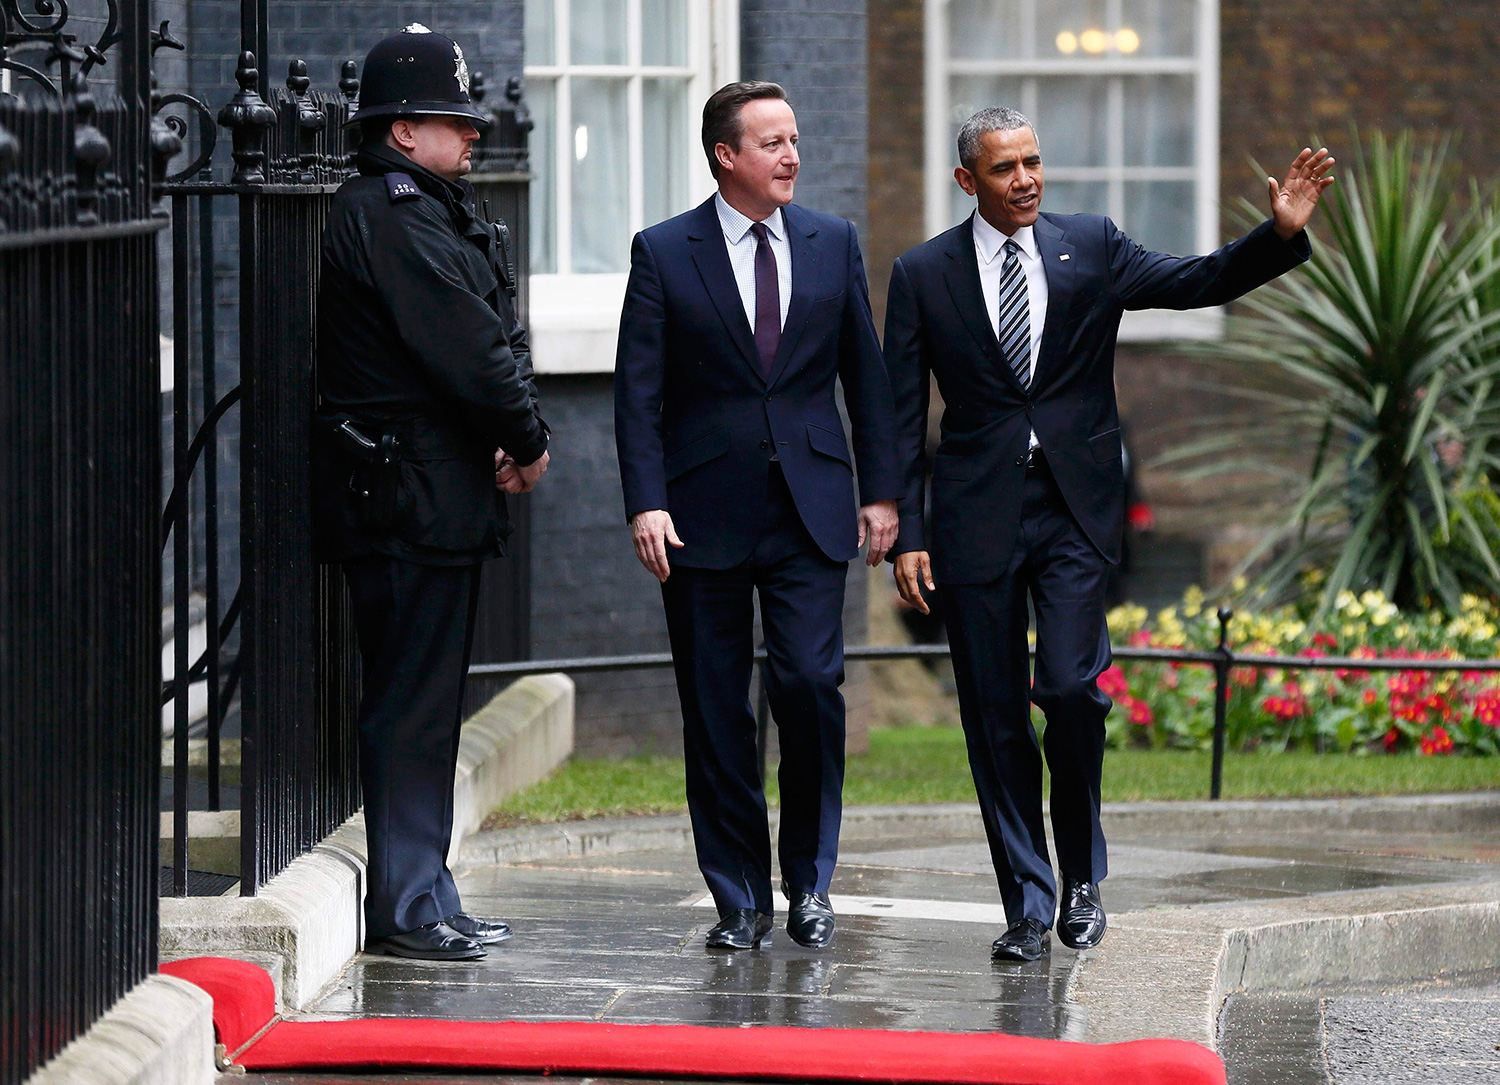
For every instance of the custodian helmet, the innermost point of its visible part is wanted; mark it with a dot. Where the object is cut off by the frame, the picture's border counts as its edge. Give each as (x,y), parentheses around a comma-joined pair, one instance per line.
(416,73)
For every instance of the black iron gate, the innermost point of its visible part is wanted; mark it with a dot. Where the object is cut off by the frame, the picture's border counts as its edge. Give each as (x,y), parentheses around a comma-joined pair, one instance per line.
(79,473)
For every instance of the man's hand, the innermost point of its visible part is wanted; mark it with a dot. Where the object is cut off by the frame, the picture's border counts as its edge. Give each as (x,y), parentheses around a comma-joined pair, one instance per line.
(507,474)
(515,479)
(652,530)
(1293,201)
(913,573)
(879,523)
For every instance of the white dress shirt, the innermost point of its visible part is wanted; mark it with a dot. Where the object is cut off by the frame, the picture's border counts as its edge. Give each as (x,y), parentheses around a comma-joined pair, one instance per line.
(989,247)
(741,244)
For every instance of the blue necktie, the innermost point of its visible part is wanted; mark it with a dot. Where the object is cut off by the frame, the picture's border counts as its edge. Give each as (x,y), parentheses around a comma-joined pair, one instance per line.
(1015,316)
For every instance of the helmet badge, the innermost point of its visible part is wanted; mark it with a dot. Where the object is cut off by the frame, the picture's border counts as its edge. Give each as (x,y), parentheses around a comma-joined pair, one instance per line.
(415,28)
(462,69)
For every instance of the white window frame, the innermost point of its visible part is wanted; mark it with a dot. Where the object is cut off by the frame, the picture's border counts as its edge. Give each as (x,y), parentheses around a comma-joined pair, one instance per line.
(575,318)
(940,156)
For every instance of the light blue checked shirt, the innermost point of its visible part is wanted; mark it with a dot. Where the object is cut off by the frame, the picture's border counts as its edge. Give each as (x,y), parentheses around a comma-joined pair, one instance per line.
(741,245)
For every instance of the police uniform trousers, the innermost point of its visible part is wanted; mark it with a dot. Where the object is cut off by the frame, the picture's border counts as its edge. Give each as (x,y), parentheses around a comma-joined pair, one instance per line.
(1064,574)
(710,620)
(416,627)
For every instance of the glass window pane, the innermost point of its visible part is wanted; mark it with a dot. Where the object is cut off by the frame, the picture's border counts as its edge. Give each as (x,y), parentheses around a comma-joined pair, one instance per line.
(985,29)
(1160,215)
(601,176)
(1076,197)
(1157,28)
(1159,120)
(1072,117)
(664,32)
(541,97)
(1075,29)
(541,36)
(664,150)
(596,32)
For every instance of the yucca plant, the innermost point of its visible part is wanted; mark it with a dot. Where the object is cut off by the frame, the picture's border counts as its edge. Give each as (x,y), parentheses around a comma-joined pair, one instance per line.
(1380,358)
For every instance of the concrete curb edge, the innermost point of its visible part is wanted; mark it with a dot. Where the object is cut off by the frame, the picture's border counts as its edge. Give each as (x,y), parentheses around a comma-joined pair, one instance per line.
(160,1033)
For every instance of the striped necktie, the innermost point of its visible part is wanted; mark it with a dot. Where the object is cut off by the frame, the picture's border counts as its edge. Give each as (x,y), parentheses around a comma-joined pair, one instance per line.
(1015,315)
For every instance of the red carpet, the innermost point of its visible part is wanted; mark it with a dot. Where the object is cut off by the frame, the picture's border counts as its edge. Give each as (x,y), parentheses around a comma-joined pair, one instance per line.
(244,1003)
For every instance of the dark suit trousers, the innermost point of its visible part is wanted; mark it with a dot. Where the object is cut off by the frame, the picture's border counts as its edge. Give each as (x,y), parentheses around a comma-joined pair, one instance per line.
(1065,576)
(710,619)
(416,626)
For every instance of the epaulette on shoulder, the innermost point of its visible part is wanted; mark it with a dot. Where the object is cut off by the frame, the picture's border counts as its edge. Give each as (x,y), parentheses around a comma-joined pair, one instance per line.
(400,186)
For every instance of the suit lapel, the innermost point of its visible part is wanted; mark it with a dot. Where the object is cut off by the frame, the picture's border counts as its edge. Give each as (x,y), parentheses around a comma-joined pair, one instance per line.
(805,277)
(1057,262)
(711,258)
(962,278)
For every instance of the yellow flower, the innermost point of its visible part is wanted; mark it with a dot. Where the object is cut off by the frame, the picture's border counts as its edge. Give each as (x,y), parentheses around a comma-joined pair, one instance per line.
(1238,585)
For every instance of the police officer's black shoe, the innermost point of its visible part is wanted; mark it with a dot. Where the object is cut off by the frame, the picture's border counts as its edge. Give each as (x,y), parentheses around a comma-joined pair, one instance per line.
(1080,920)
(429,942)
(487,932)
(743,928)
(1024,940)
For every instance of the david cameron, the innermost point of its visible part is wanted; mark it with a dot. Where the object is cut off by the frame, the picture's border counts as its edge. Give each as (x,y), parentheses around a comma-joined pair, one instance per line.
(1015,311)
(741,319)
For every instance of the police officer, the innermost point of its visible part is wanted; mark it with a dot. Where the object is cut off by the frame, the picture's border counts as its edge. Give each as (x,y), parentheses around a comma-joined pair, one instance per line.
(427,413)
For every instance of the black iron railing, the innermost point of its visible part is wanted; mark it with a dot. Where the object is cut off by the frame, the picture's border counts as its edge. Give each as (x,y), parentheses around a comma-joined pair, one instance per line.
(79,477)
(1221,658)
(284,642)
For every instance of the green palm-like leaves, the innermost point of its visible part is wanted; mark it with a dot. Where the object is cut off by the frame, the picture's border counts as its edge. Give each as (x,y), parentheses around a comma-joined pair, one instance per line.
(1377,366)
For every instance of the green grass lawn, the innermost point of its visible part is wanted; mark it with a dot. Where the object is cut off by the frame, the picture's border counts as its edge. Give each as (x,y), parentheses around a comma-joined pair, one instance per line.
(929,764)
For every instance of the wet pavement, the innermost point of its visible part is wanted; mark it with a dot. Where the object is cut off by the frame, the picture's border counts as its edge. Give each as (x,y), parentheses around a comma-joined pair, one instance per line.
(620,938)
(1443,1030)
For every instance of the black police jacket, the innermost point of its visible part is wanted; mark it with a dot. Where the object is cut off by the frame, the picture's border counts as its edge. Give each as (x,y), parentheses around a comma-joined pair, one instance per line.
(418,343)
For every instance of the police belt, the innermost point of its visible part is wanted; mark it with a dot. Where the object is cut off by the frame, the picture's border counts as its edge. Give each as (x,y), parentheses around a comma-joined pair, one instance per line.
(389,442)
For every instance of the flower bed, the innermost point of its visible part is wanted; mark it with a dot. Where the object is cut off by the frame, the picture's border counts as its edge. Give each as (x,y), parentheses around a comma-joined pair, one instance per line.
(1434,713)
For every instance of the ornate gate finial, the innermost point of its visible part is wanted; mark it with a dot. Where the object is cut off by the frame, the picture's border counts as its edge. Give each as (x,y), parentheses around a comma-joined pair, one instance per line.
(91,151)
(247,116)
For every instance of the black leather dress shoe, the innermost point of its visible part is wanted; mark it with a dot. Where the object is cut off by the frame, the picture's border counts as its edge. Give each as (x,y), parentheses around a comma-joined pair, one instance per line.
(1080,919)
(810,920)
(487,932)
(430,942)
(1024,940)
(740,929)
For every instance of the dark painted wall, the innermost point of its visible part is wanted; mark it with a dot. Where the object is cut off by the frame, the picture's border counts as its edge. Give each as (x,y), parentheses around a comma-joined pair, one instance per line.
(817,52)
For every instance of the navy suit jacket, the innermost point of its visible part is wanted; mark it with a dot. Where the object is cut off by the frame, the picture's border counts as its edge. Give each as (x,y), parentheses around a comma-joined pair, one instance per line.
(695,420)
(936,323)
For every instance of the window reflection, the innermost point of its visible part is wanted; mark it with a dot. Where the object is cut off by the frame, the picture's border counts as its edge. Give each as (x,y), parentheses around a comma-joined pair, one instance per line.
(601,176)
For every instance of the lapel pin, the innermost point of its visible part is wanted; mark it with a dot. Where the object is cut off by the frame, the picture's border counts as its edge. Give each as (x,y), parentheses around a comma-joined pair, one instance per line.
(1065,256)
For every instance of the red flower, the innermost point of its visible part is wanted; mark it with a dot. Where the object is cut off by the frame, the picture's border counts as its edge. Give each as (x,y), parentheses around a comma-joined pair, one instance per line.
(1371,696)
(1487,707)
(1391,740)
(1325,640)
(1112,683)
(1438,742)
(1139,712)
(1141,638)
(1291,705)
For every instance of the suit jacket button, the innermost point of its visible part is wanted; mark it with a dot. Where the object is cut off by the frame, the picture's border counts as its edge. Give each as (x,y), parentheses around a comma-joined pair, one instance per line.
(1020,461)
(764,443)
